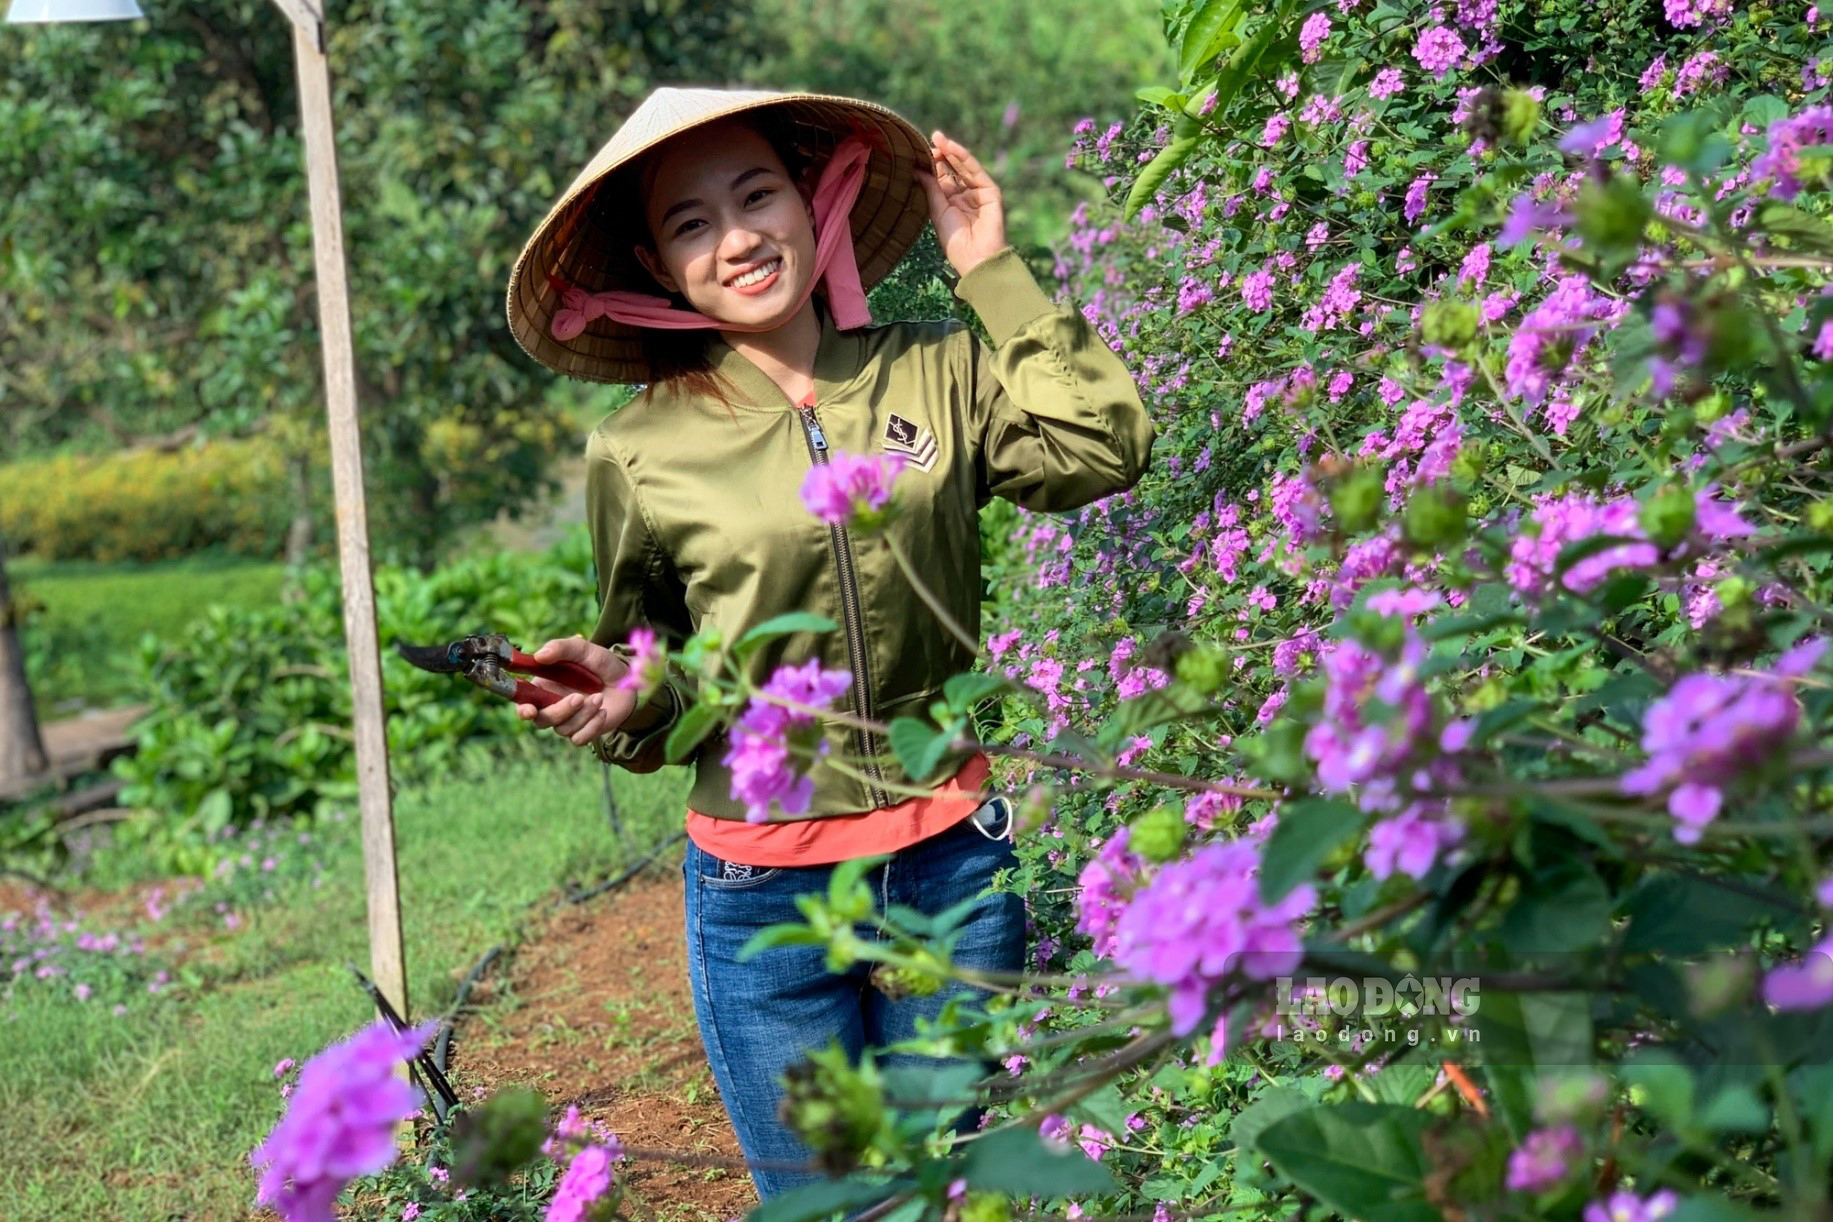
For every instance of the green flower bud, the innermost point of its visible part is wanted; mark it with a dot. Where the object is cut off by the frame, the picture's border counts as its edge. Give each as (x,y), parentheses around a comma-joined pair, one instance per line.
(1820,517)
(1612,213)
(921,979)
(1734,592)
(1718,986)
(1203,669)
(1712,407)
(1158,835)
(1356,500)
(985,1207)
(1471,461)
(492,1142)
(1577,1097)
(837,1109)
(1520,115)
(1449,324)
(1434,519)
(1667,517)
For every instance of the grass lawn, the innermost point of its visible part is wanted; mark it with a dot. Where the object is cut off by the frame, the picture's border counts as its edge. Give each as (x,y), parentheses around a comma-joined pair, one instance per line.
(151,1114)
(79,648)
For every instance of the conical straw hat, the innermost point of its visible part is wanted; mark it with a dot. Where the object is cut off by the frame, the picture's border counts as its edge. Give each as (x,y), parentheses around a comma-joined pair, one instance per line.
(586,238)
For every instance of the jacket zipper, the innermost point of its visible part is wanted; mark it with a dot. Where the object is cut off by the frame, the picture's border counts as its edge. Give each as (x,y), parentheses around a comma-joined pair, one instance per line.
(850,612)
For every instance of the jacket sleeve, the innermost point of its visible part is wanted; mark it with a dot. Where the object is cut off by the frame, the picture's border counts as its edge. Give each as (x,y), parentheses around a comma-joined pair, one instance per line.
(1058,414)
(634,589)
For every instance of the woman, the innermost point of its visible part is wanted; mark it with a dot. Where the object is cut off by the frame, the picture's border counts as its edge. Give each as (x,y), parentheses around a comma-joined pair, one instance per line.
(763,217)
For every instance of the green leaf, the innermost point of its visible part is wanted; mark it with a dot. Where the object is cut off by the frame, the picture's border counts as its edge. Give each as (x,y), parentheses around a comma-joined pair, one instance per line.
(818,1201)
(1158,95)
(1735,1109)
(1804,231)
(1673,914)
(694,726)
(1205,36)
(1563,908)
(1308,831)
(1161,167)
(1665,1086)
(783,625)
(1504,716)
(1105,1109)
(919,746)
(773,936)
(1020,1163)
(964,691)
(1364,1160)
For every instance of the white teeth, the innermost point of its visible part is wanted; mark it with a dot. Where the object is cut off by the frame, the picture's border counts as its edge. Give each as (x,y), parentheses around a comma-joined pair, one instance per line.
(757,277)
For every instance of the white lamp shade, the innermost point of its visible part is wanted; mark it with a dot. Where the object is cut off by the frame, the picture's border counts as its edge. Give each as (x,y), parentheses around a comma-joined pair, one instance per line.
(38,12)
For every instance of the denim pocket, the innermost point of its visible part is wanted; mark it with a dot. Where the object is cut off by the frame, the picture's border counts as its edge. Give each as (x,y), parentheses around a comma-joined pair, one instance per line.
(722,875)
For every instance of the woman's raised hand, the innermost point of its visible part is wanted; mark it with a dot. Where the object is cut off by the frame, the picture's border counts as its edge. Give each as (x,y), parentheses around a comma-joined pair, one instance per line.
(964,204)
(577,717)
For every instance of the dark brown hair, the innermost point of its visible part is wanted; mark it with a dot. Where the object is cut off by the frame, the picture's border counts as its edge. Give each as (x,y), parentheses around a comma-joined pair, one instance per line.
(678,360)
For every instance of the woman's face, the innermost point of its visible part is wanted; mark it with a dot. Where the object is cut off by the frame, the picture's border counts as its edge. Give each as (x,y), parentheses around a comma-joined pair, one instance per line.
(732,233)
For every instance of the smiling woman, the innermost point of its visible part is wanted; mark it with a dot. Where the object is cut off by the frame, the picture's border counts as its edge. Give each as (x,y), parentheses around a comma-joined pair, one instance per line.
(729,494)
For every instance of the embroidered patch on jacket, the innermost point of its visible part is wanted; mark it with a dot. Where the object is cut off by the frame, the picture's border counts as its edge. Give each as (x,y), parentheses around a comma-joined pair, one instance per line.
(916,443)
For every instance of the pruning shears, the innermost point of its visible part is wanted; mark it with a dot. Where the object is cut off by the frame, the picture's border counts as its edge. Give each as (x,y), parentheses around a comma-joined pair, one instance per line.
(491,662)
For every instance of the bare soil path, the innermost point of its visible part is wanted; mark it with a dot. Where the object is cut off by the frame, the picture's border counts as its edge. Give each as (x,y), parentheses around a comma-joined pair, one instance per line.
(594,1010)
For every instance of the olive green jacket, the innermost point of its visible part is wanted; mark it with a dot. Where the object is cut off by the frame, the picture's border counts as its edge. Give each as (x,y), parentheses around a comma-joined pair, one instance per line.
(697,518)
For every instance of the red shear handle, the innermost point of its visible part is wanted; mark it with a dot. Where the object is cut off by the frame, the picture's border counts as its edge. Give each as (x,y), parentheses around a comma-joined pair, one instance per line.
(540,697)
(572,674)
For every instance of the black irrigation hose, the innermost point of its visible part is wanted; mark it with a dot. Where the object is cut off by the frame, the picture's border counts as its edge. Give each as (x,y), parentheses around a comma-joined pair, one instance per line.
(577,897)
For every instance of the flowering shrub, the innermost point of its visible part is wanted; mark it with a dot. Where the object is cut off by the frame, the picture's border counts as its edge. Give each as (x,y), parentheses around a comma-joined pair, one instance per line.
(1427,762)
(1449,701)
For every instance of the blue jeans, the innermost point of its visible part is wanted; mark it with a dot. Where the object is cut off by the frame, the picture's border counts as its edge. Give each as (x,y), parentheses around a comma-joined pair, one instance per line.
(758,1017)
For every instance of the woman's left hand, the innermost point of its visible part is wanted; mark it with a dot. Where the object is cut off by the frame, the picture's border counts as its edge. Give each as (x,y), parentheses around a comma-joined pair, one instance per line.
(964,204)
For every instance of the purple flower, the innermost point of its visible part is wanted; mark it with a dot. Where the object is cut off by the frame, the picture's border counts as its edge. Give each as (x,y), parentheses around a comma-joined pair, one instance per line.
(1438,50)
(1409,843)
(1276,126)
(1711,729)
(410,1211)
(1787,137)
(1415,203)
(1107,883)
(1403,603)
(1257,290)
(849,485)
(1627,1206)
(647,663)
(1544,1159)
(1807,985)
(1312,35)
(1591,137)
(764,773)
(587,1178)
(1200,920)
(1387,83)
(339,1123)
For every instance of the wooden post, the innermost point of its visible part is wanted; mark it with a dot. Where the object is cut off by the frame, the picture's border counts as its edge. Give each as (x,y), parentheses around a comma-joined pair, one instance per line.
(386,958)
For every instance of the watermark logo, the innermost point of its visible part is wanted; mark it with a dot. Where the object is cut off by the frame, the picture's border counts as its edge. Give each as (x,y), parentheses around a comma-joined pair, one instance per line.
(1368,997)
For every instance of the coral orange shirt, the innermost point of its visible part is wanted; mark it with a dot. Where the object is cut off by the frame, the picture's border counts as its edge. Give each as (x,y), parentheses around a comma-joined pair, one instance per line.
(816,842)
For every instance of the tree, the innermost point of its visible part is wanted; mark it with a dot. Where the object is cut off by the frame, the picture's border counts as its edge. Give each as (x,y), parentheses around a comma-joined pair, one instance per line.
(22,750)
(155,252)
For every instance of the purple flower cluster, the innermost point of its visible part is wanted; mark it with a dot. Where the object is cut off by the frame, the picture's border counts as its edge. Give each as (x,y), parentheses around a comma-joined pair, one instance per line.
(1545,1159)
(1626,1206)
(1561,521)
(1311,36)
(587,1178)
(1439,50)
(765,775)
(1688,13)
(339,1123)
(1107,882)
(1257,290)
(1711,729)
(1554,334)
(647,664)
(1201,920)
(1781,163)
(848,485)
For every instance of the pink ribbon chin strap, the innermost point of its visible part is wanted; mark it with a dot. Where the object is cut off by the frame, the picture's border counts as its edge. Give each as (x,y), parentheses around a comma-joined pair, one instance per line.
(836,266)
